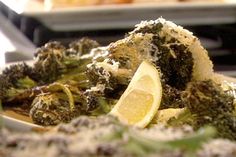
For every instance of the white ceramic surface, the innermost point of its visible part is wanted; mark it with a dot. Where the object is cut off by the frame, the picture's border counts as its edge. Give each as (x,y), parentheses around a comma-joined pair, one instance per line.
(18,125)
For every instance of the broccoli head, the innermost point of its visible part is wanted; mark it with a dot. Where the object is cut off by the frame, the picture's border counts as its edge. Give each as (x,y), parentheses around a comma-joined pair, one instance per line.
(210,105)
(169,51)
(54,59)
(48,65)
(16,72)
(108,75)
(14,79)
(171,97)
(174,60)
(97,103)
(4,86)
(61,103)
(98,75)
(81,47)
(49,109)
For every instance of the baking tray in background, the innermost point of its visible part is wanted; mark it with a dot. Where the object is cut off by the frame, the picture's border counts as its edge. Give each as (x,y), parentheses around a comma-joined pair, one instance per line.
(125,15)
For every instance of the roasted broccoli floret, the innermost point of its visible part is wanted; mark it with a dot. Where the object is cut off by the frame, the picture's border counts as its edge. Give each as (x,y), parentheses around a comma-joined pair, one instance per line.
(57,105)
(81,47)
(49,109)
(97,104)
(48,65)
(100,76)
(131,51)
(230,88)
(109,76)
(15,79)
(4,86)
(174,60)
(17,72)
(54,61)
(210,105)
(169,53)
(153,28)
(171,97)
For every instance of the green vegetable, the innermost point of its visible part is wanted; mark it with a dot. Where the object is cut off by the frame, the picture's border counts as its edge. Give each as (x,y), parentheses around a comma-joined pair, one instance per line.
(51,108)
(23,84)
(17,71)
(142,146)
(26,83)
(15,79)
(53,60)
(81,47)
(210,105)
(174,60)
(171,55)
(171,97)
(153,28)
(68,93)
(4,86)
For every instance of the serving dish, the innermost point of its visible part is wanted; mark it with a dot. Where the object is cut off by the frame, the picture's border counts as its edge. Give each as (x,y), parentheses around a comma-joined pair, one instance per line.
(125,15)
(18,122)
(18,125)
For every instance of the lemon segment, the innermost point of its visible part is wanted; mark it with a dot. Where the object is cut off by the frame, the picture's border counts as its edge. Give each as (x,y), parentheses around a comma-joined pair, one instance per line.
(130,107)
(141,100)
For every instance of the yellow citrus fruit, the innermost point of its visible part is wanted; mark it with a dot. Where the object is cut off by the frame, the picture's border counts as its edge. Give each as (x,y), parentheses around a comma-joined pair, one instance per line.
(141,100)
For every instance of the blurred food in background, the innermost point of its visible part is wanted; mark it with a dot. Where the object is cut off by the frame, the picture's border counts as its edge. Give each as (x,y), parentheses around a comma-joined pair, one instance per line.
(70,3)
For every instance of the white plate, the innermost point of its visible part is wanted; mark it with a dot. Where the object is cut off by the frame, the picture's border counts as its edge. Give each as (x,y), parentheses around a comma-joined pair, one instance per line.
(18,125)
(19,122)
(126,15)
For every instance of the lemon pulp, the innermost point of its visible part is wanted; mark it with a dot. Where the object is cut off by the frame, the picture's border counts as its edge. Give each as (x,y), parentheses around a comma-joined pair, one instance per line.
(141,100)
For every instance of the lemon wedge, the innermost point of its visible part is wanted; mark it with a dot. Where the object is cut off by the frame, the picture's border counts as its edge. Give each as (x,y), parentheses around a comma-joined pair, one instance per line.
(141,100)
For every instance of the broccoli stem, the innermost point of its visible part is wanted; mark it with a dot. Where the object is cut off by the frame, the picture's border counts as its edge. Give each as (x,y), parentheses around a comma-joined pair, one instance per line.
(26,83)
(68,93)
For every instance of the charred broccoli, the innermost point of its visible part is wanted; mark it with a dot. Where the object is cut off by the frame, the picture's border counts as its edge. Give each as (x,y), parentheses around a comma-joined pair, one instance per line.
(97,103)
(15,79)
(63,102)
(48,109)
(55,106)
(171,97)
(210,105)
(16,72)
(109,76)
(169,53)
(81,47)
(4,86)
(48,65)
(53,60)
(174,60)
